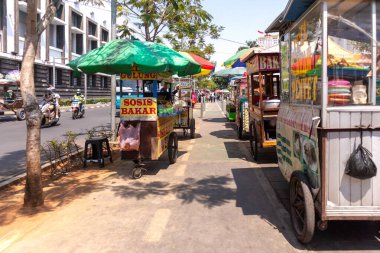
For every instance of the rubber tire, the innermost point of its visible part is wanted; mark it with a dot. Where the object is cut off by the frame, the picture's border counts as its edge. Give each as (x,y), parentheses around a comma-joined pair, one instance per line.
(20,114)
(192,128)
(137,173)
(304,232)
(240,129)
(173,147)
(75,114)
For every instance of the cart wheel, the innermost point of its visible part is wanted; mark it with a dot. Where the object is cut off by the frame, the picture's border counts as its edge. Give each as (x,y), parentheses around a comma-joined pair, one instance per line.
(137,172)
(302,211)
(253,141)
(192,128)
(240,129)
(173,147)
(20,114)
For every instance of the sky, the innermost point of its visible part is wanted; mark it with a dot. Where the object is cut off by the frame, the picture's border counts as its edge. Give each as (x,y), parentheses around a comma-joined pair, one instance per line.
(241,20)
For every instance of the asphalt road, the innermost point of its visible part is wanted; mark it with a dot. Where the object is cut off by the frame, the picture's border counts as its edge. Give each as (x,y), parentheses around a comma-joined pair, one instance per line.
(13,136)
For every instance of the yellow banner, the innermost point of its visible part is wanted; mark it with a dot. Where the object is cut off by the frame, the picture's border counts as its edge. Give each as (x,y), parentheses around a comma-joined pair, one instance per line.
(137,75)
(138,109)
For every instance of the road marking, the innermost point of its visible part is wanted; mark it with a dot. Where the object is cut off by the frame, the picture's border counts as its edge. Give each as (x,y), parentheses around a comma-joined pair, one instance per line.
(157,225)
(180,171)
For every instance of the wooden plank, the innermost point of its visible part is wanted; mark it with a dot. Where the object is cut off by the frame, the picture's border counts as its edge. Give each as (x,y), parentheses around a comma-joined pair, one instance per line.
(344,154)
(376,159)
(356,185)
(333,163)
(367,143)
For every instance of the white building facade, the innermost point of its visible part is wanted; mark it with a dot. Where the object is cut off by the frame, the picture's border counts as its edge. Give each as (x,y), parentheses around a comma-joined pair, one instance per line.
(76,29)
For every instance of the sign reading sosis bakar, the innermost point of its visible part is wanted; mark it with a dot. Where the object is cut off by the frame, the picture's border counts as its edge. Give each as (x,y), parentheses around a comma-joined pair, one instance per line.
(144,109)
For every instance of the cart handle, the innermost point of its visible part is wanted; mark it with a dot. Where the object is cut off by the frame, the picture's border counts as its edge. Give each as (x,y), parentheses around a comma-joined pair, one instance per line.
(314,119)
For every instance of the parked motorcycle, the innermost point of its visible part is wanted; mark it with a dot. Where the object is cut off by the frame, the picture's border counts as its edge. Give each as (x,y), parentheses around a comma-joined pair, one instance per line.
(77,109)
(48,114)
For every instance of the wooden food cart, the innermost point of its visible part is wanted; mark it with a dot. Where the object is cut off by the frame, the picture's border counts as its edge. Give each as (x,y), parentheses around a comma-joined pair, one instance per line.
(148,122)
(263,101)
(329,109)
(185,120)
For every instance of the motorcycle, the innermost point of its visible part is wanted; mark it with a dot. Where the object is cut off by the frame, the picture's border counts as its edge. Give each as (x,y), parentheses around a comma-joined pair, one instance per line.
(48,117)
(77,109)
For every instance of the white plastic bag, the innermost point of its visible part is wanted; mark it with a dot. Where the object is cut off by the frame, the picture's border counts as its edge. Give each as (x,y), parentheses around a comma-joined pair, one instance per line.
(129,137)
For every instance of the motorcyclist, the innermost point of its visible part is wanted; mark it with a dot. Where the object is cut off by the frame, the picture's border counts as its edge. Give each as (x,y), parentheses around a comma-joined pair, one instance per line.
(78,96)
(48,98)
(56,98)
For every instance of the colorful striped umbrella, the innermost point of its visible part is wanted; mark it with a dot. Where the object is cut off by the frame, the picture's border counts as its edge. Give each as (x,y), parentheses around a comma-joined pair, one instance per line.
(206,66)
(234,61)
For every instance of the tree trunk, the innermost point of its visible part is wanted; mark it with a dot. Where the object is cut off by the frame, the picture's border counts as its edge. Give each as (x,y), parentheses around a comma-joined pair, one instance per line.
(33,189)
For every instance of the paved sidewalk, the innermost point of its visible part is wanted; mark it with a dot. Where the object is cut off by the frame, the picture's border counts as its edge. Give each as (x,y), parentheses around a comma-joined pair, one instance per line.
(209,201)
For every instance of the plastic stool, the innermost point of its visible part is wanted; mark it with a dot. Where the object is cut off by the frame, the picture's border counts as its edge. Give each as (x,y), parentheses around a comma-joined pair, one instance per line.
(97,151)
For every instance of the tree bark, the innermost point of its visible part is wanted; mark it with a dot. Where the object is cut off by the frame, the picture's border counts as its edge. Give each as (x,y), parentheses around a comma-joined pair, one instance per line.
(33,189)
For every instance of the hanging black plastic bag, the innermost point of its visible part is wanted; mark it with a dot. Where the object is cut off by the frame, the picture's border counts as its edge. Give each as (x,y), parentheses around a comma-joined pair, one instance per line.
(360,164)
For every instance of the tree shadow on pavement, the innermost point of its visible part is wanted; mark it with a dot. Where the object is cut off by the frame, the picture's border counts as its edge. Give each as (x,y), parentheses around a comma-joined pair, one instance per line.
(56,193)
(211,191)
(340,235)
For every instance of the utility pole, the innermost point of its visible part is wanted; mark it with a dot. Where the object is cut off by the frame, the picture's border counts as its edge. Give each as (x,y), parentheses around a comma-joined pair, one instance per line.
(113,77)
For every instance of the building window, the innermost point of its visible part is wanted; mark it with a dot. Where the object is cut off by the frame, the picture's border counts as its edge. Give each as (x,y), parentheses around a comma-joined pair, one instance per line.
(59,12)
(58,76)
(76,20)
(104,35)
(92,28)
(93,44)
(50,79)
(77,43)
(104,81)
(22,26)
(57,36)
(93,83)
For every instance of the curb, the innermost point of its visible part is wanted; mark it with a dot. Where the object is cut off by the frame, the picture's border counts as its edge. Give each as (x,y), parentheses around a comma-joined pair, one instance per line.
(18,178)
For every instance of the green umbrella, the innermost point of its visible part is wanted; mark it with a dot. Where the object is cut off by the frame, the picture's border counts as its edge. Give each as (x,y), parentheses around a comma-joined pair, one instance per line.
(230,72)
(119,56)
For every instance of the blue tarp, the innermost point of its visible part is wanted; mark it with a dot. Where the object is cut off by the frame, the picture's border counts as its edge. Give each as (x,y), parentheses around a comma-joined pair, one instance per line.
(295,8)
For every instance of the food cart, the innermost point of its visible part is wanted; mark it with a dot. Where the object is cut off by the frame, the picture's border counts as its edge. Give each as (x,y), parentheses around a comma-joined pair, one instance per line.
(329,110)
(241,104)
(13,102)
(263,103)
(147,121)
(185,120)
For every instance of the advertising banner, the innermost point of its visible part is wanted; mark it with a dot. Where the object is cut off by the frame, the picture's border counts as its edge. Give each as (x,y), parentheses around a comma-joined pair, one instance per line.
(144,109)
(297,143)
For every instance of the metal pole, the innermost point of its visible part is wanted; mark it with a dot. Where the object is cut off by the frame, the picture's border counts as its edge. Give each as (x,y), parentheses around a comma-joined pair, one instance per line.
(202,106)
(85,89)
(374,54)
(53,72)
(113,77)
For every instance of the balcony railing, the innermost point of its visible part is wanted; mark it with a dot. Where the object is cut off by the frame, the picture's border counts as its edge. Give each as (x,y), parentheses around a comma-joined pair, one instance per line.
(55,53)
